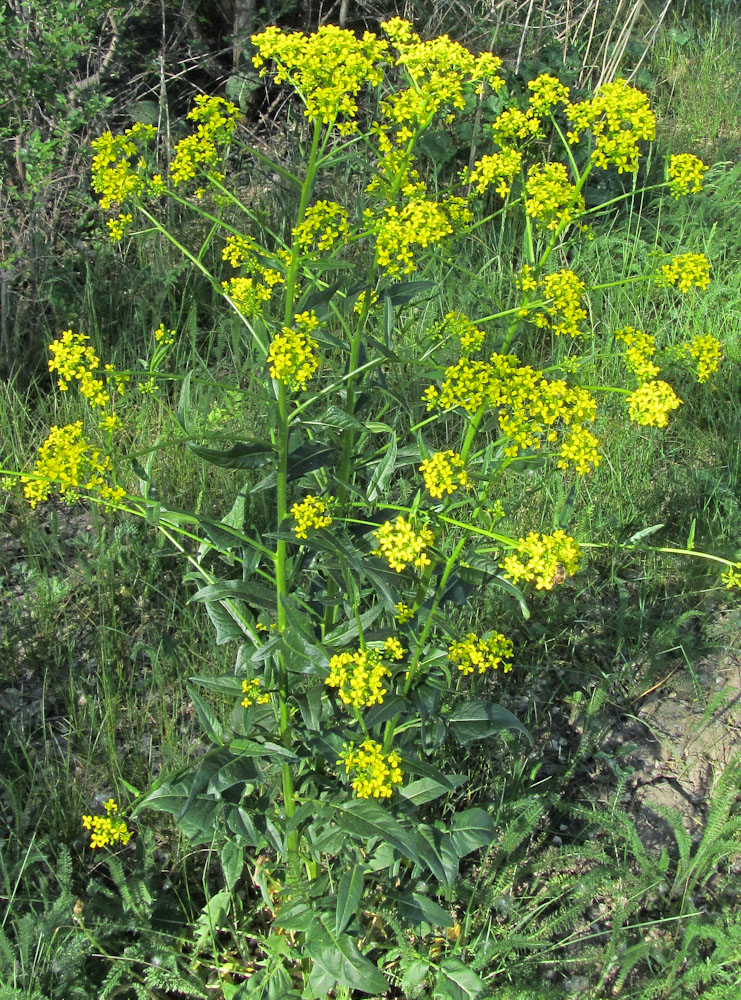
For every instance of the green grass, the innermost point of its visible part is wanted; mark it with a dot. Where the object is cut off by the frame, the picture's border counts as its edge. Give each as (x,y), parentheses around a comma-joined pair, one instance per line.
(97,641)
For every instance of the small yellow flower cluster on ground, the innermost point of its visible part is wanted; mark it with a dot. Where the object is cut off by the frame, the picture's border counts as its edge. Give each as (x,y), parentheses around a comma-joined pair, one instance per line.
(705,351)
(311,512)
(419,223)
(652,402)
(685,174)
(564,312)
(253,695)
(359,677)
(399,544)
(324,226)
(546,559)
(551,199)
(106,829)
(375,774)
(619,117)
(292,357)
(687,270)
(474,654)
(641,347)
(68,462)
(444,473)
(327,69)
(216,120)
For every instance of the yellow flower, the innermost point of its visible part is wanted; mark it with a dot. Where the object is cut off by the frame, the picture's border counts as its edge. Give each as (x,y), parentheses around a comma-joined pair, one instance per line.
(325,226)
(581,448)
(311,512)
(403,612)
(68,462)
(106,829)
(252,694)
(216,120)
(360,676)
(641,347)
(444,473)
(685,173)
(705,350)
(619,117)
(547,91)
(419,223)
(546,559)
(551,199)
(474,654)
(732,576)
(687,270)
(400,544)
(375,773)
(497,170)
(564,312)
(651,404)
(74,361)
(291,357)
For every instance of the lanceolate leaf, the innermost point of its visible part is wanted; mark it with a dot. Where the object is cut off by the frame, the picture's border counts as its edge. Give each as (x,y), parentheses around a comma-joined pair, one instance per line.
(242,455)
(349,893)
(477,719)
(471,830)
(457,982)
(206,717)
(339,955)
(383,471)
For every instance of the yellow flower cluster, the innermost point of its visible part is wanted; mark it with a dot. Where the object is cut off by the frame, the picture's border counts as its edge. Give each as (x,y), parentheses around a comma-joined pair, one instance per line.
(641,348)
(327,69)
(119,171)
(563,312)
(375,774)
(732,577)
(546,92)
(325,225)
(68,462)
(253,695)
(546,559)
(165,337)
(106,829)
(118,227)
(474,654)
(419,223)
(441,72)
(496,170)
(619,117)
(459,325)
(444,473)
(403,612)
(291,357)
(399,544)
(528,404)
(651,404)
(551,199)
(579,448)
(216,120)
(359,677)
(704,350)
(687,270)
(514,124)
(685,174)
(311,512)
(74,360)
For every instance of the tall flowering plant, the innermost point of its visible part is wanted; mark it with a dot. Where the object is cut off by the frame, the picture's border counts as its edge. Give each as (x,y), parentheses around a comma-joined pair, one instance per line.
(356,660)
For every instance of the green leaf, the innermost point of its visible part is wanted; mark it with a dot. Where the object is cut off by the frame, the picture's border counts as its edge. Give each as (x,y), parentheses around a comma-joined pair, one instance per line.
(223,621)
(208,720)
(383,471)
(424,790)
(644,533)
(471,830)
(404,291)
(339,956)
(456,982)
(232,862)
(437,853)
(349,893)
(227,684)
(416,909)
(184,405)
(256,594)
(476,719)
(366,819)
(239,456)
(296,916)
(308,457)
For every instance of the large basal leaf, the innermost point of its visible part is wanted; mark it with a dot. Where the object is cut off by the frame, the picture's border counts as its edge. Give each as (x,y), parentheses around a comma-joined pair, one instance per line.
(257,594)
(457,982)
(477,719)
(340,957)
(311,456)
(424,790)
(471,830)
(211,725)
(232,862)
(404,291)
(366,819)
(416,909)
(438,854)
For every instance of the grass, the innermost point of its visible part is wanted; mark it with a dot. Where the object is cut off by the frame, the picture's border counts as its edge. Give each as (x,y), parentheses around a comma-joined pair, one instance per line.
(98,639)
